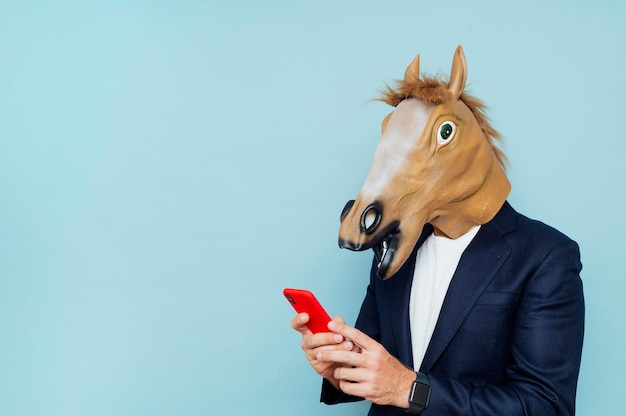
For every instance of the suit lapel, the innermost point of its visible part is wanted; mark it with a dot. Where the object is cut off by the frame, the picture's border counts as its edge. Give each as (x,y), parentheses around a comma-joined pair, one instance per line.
(477,267)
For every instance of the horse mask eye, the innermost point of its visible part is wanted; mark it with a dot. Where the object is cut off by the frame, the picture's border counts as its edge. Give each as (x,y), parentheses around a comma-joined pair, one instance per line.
(445,132)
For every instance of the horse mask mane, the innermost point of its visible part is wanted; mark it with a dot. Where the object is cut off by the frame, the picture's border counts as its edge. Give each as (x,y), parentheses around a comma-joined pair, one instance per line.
(436,163)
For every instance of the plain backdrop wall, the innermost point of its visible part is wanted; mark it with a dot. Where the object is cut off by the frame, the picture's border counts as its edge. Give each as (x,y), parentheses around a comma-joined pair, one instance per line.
(168,167)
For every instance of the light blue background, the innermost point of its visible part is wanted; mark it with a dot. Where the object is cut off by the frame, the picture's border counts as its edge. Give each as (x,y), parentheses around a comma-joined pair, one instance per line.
(168,167)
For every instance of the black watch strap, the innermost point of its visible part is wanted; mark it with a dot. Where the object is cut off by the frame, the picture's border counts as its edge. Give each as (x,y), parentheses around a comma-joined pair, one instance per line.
(420,394)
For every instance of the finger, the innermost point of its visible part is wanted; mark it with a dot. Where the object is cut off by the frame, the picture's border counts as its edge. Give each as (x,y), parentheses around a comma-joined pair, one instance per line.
(321,339)
(352,374)
(342,356)
(353,334)
(359,389)
(312,354)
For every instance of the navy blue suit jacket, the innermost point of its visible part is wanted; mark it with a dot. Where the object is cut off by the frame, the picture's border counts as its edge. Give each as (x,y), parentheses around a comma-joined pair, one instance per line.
(508,340)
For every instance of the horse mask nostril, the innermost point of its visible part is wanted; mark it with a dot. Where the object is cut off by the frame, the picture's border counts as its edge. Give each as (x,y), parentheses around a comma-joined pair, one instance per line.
(346,209)
(370,219)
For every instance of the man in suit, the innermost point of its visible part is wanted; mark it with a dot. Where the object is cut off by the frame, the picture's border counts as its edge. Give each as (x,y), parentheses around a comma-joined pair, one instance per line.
(508,339)
(471,308)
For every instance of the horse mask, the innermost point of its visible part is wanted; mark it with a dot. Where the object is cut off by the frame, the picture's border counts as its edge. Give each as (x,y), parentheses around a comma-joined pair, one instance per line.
(436,163)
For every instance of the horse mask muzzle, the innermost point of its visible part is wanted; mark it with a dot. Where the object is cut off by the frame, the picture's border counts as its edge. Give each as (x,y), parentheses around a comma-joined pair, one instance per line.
(384,240)
(383,243)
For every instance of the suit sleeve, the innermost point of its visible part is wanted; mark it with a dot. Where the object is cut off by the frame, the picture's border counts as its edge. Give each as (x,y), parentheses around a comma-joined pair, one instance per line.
(545,350)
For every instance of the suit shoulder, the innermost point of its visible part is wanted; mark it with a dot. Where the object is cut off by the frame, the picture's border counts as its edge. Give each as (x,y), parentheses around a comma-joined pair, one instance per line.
(533,243)
(538,233)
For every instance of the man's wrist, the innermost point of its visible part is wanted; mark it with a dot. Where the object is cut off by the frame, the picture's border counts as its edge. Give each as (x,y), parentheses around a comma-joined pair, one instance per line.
(404,389)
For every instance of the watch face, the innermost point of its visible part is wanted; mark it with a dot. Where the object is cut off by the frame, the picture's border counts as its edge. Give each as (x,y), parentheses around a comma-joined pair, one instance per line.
(421,394)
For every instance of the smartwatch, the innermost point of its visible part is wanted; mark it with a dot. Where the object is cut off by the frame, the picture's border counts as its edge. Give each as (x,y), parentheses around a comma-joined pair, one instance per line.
(420,394)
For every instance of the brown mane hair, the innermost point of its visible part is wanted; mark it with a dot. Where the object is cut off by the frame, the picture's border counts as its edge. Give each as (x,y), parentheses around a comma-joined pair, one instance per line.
(434,91)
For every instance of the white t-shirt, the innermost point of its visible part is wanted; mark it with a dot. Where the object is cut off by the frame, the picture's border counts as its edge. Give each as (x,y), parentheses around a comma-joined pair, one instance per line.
(435,264)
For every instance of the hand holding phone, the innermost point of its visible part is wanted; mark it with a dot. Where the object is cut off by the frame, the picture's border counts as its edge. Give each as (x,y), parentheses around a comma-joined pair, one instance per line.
(305,301)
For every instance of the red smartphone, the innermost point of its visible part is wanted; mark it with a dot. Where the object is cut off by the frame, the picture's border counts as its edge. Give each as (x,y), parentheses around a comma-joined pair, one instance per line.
(305,301)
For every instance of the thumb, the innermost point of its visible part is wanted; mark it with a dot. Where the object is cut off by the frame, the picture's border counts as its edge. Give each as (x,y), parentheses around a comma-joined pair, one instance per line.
(299,323)
(347,344)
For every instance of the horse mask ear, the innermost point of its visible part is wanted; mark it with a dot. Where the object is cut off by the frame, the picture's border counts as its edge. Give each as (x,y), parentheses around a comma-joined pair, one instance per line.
(413,70)
(412,73)
(458,73)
